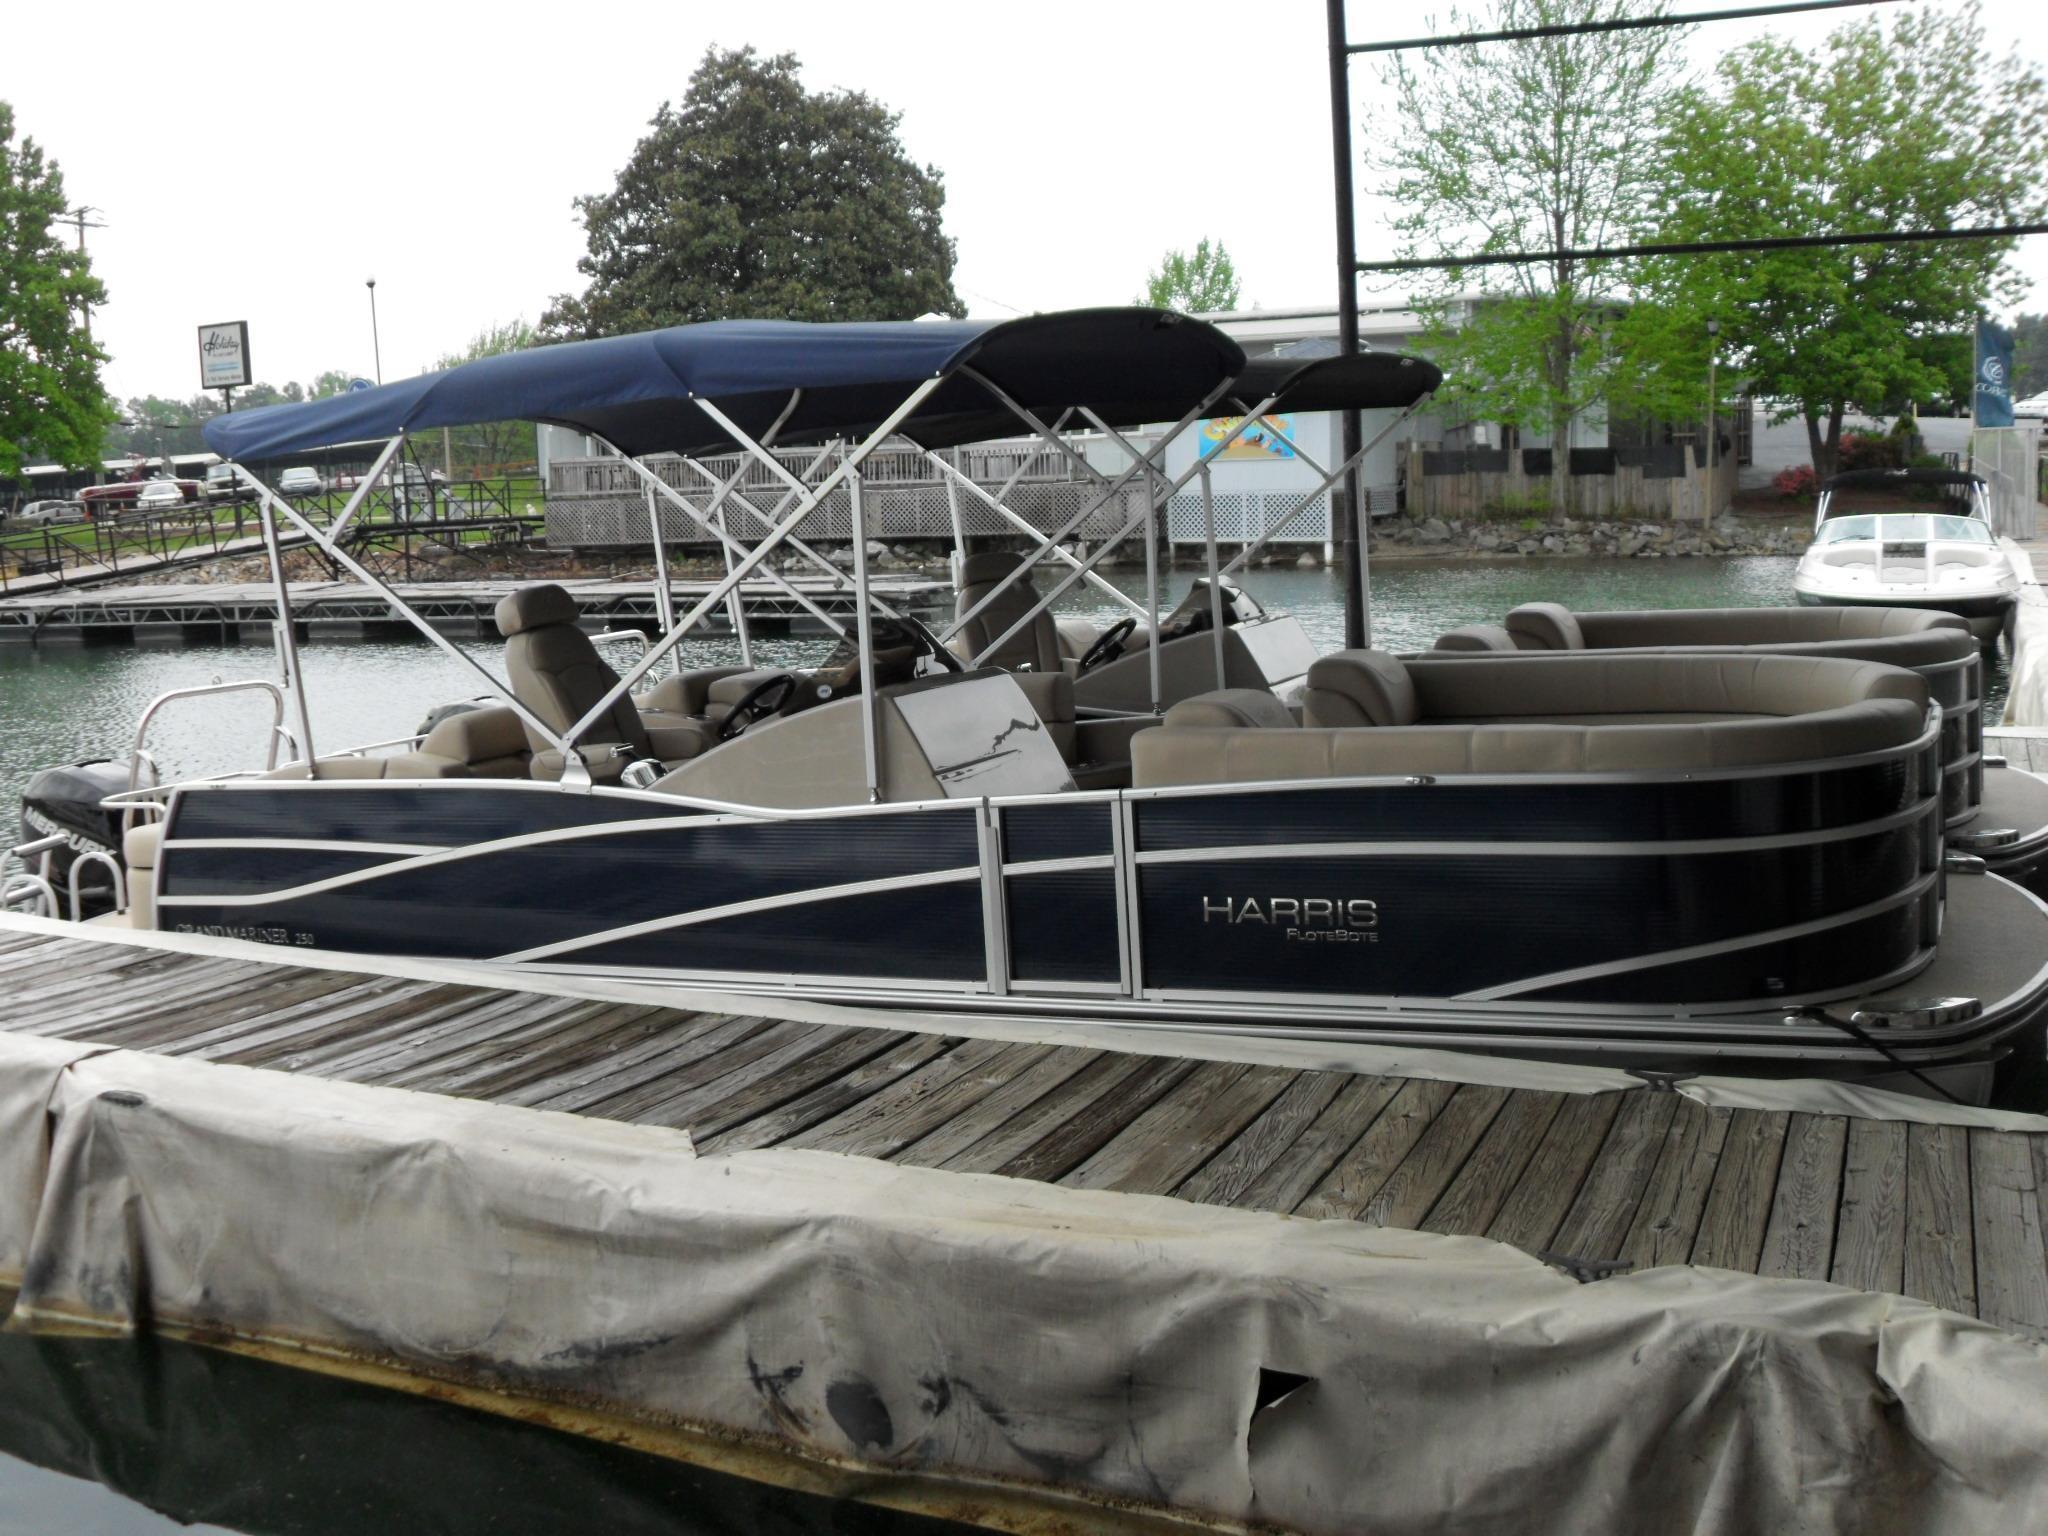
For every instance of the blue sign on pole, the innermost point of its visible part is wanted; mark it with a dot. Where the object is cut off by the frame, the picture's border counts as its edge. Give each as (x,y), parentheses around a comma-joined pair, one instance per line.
(357,386)
(1994,376)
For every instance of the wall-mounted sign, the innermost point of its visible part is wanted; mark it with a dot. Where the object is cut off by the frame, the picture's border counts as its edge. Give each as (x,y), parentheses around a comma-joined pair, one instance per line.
(224,355)
(1267,438)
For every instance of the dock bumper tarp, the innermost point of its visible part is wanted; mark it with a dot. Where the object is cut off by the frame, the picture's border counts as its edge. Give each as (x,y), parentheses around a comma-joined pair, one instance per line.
(1322,1376)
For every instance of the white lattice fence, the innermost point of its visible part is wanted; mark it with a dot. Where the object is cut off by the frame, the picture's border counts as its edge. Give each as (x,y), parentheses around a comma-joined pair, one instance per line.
(1243,516)
(611,519)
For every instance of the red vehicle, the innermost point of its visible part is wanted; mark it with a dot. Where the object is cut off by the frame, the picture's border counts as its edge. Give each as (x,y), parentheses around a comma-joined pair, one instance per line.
(119,495)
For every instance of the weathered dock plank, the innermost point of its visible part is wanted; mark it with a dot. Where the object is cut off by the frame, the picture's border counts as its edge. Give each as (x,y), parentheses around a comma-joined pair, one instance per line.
(2005,1208)
(1738,1209)
(1870,1233)
(1259,1145)
(1349,1187)
(1536,1207)
(1940,1260)
(1600,1217)
(1667,1220)
(1183,1130)
(1426,1172)
(1483,1184)
(1640,1176)
(1287,1180)
(1799,1240)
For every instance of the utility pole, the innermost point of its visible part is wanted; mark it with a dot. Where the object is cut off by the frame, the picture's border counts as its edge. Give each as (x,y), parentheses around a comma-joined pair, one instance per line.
(78,217)
(376,346)
(1344,503)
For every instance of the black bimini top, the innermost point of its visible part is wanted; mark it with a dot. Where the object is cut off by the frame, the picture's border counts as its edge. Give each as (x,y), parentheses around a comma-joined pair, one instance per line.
(821,381)
(1362,382)
(1881,479)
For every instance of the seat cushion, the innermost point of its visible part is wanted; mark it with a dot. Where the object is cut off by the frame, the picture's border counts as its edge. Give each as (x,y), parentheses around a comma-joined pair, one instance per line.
(676,738)
(1545,627)
(1352,688)
(534,608)
(1475,637)
(1052,698)
(490,743)
(686,693)
(1232,709)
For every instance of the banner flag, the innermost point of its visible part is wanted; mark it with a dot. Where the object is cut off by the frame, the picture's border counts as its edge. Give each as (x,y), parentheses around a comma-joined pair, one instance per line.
(1993,406)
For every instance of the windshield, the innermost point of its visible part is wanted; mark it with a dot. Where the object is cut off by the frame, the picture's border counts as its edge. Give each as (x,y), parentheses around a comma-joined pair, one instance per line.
(1902,528)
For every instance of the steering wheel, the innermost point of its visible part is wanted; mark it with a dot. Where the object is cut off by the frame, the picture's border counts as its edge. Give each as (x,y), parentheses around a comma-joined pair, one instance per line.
(758,703)
(1108,645)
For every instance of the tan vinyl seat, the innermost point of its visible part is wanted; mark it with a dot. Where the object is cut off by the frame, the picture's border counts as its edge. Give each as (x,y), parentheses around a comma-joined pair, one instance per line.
(485,743)
(1354,688)
(558,674)
(1052,697)
(141,846)
(1233,709)
(1035,647)
(1476,637)
(1553,627)
(1366,713)
(1545,627)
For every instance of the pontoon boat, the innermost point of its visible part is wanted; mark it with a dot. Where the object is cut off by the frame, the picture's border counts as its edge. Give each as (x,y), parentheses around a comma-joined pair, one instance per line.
(1665,860)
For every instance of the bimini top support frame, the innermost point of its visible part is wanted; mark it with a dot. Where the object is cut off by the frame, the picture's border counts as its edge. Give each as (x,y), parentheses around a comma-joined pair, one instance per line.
(746,384)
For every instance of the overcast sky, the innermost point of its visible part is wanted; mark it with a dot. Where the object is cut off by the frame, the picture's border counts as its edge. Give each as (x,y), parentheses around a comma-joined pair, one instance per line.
(260,161)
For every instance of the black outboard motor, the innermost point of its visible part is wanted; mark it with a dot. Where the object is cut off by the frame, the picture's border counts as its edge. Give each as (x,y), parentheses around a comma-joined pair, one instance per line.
(65,802)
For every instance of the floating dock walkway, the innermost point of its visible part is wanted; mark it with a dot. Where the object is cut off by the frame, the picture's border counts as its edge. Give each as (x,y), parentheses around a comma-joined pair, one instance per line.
(211,611)
(764,1219)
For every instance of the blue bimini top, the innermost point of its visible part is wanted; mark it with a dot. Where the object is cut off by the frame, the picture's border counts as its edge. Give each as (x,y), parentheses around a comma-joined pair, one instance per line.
(820,381)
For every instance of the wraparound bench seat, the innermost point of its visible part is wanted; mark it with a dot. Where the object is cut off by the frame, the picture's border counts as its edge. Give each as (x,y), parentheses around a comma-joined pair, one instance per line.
(1367,713)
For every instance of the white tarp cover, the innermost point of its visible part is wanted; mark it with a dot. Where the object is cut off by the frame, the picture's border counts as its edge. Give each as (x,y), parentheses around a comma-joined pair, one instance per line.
(914,1319)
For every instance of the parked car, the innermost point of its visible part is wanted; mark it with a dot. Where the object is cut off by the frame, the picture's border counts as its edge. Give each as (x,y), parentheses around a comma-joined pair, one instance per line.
(41,514)
(222,484)
(156,495)
(100,500)
(301,480)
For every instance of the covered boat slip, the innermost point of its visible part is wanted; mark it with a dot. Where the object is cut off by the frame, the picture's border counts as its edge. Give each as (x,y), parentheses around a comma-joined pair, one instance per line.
(778,1225)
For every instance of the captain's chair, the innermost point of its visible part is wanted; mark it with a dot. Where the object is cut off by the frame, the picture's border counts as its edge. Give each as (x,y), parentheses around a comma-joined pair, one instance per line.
(1036,647)
(557,673)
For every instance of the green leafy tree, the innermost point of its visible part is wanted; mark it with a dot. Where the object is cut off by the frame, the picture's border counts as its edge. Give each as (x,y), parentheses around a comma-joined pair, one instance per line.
(1917,128)
(52,404)
(1533,146)
(335,381)
(1202,281)
(755,198)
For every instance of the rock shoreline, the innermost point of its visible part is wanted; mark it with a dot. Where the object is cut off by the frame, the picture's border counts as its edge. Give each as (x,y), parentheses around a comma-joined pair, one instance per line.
(1583,538)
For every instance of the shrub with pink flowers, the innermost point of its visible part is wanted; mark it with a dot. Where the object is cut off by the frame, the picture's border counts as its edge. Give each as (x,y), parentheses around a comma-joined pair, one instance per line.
(1798,481)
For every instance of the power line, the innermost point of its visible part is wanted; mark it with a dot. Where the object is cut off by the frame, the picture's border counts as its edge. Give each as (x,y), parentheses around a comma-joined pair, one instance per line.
(1615,24)
(1700,248)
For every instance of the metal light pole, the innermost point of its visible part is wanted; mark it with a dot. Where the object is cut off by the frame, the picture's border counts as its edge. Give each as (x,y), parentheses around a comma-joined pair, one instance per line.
(1350,515)
(376,347)
(1713,408)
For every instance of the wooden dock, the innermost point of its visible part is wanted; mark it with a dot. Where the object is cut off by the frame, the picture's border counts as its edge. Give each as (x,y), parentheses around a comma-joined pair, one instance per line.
(1593,1182)
(189,609)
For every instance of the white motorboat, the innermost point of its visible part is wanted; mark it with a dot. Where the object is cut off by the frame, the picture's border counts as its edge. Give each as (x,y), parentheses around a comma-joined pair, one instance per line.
(1946,557)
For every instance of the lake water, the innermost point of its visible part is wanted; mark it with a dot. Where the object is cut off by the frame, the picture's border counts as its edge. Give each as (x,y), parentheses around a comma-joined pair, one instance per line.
(62,703)
(145,1437)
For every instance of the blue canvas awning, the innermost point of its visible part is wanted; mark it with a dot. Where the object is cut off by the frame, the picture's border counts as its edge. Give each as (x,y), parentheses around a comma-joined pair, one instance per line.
(638,392)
